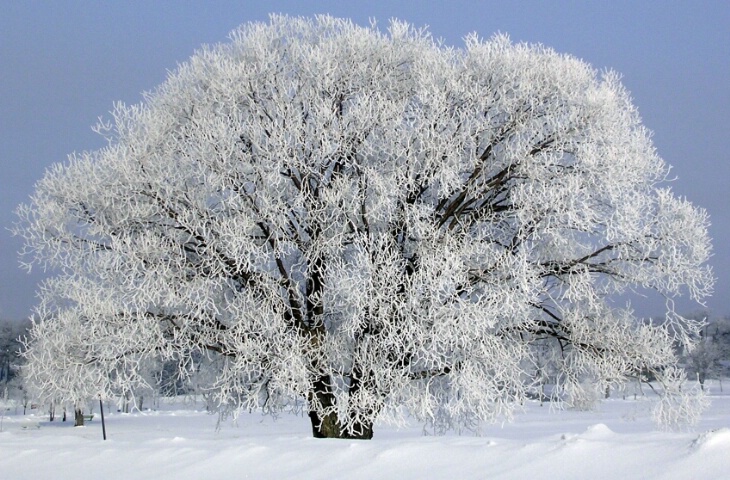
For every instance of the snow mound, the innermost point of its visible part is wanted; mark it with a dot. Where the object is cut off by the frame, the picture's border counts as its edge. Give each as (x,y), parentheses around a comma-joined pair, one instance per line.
(719,438)
(598,430)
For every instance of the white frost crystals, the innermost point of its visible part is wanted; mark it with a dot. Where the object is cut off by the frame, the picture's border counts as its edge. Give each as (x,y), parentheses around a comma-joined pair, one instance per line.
(368,221)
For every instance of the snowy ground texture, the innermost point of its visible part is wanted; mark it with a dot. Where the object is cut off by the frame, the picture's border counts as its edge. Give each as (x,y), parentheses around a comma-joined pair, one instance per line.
(180,441)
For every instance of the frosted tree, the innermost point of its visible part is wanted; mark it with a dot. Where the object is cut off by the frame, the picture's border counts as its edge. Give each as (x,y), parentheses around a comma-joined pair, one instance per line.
(57,369)
(11,333)
(370,222)
(72,359)
(11,361)
(708,357)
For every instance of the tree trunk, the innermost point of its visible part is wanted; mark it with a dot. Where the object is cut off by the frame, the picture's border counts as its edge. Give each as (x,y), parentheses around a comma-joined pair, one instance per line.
(327,426)
(78,417)
(359,380)
(330,426)
(362,431)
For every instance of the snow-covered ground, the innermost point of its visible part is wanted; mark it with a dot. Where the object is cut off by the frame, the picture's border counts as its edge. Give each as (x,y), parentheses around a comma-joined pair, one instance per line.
(181,442)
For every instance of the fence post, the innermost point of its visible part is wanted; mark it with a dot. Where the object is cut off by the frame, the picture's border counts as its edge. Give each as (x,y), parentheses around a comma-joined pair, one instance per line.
(103,424)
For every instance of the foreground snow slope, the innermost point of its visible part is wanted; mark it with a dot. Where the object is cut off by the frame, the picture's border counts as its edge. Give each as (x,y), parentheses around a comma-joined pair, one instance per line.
(181,442)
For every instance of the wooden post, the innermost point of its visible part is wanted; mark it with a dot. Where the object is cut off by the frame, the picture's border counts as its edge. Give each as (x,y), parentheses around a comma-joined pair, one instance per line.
(103,424)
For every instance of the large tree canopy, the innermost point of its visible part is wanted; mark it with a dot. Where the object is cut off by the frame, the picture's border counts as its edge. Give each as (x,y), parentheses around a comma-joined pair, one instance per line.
(369,221)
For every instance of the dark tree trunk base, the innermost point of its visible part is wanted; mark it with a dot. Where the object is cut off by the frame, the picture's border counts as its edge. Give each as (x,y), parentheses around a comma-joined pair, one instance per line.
(78,418)
(330,427)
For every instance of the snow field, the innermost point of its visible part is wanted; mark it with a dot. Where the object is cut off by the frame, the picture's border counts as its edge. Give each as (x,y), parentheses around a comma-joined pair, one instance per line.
(617,441)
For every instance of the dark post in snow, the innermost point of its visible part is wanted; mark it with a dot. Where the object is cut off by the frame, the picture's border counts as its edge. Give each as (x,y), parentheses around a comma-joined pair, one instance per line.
(103,425)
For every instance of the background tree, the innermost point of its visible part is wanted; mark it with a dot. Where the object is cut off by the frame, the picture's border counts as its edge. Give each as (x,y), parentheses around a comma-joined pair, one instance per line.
(11,334)
(71,360)
(11,360)
(709,357)
(370,221)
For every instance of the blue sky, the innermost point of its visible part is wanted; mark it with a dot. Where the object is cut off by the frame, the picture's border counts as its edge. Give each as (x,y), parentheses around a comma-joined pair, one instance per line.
(64,63)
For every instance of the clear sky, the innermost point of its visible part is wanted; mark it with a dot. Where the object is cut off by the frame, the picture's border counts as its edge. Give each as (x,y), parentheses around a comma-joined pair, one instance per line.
(64,63)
